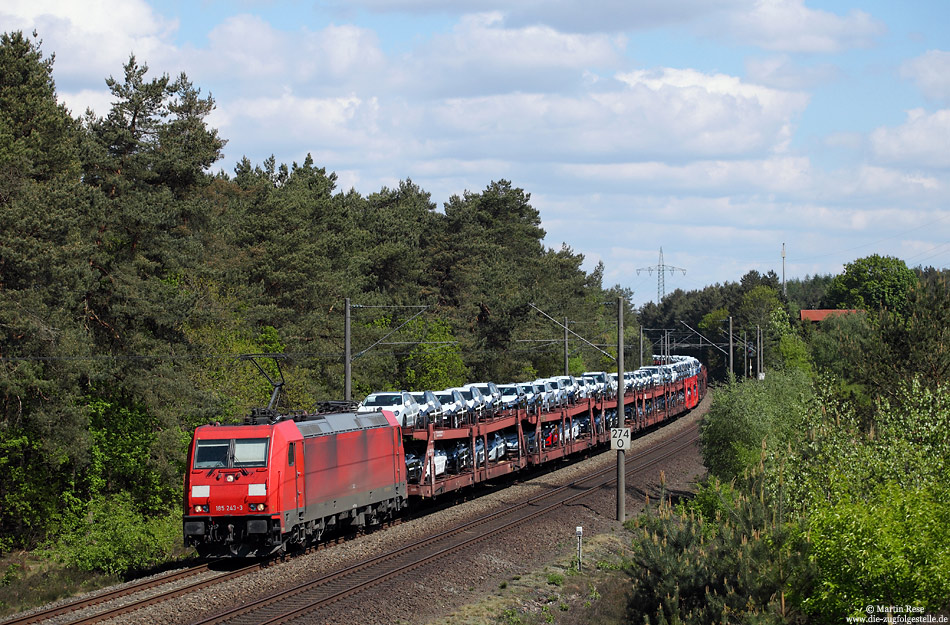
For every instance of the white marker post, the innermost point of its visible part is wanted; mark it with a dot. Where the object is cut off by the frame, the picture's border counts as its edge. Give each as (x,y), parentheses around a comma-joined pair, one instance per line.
(620,440)
(580,536)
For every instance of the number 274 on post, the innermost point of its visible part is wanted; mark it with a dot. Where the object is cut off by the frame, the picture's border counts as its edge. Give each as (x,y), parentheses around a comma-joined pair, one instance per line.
(620,438)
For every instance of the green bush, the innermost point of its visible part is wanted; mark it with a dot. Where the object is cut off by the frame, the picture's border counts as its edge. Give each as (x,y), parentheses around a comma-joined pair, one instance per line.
(841,454)
(747,415)
(893,549)
(794,352)
(113,537)
(713,500)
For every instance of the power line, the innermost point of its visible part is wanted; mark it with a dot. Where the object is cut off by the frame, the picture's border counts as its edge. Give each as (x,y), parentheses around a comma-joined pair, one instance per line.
(171,357)
(895,235)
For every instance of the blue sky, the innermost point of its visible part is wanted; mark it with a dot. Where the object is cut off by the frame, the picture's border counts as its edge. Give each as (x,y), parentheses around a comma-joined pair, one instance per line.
(717,130)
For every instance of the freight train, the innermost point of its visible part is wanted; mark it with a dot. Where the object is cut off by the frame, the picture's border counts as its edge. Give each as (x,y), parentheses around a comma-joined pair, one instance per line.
(283,480)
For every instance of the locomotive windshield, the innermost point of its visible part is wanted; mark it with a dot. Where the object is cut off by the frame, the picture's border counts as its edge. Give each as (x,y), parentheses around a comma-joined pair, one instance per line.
(212,454)
(232,453)
(250,452)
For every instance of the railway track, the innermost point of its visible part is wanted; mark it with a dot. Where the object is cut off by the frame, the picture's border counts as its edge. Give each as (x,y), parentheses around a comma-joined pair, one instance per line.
(78,606)
(309,598)
(80,612)
(314,595)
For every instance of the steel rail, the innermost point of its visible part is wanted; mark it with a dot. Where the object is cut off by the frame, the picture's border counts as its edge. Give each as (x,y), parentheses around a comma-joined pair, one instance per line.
(127,591)
(75,606)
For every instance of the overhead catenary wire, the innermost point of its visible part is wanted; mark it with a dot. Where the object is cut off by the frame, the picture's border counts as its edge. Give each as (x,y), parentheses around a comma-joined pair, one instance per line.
(561,325)
(677,336)
(401,326)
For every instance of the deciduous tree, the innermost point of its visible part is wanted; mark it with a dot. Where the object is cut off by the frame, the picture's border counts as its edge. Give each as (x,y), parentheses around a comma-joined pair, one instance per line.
(873,283)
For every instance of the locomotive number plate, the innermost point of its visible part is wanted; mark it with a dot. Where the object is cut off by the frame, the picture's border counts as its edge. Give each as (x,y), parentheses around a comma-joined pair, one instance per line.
(234,508)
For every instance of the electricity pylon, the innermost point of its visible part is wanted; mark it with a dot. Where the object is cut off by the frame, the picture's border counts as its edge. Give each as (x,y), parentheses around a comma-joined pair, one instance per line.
(661,270)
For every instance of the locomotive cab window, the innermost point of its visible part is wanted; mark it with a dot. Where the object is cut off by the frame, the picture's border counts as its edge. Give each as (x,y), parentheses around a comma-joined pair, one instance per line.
(250,452)
(212,454)
(231,453)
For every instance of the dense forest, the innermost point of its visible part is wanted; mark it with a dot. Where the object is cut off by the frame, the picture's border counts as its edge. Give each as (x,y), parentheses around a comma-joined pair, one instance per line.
(133,277)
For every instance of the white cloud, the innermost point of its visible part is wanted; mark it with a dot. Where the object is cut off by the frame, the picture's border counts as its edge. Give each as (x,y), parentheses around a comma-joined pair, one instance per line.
(780,25)
(721,238)
(452,7)
(716,84)
(773,175)
(481,56)
(250,51)
(643,116)
(921,141)
(686,112)
(100,101)
(878,183)
(345,51)
(92,40)
(571,16)
(848,140)
(931,72)
(329,128)
(482,37)
(615,15)
(642,120)
(782,72)
(790,26)
(444,167)
(248,47)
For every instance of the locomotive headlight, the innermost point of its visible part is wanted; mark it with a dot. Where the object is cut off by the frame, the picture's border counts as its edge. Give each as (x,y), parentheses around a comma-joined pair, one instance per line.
(230,477)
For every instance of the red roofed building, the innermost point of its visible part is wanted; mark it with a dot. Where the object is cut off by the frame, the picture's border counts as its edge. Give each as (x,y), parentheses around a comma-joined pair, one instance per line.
(823,313)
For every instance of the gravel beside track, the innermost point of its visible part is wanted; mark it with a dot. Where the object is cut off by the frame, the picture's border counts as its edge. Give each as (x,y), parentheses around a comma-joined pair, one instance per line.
(450,584)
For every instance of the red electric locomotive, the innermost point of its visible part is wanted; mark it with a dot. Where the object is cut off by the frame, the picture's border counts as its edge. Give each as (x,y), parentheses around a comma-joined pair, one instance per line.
(277,481)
